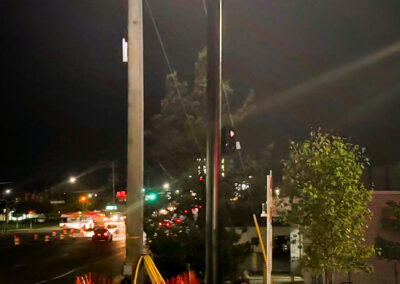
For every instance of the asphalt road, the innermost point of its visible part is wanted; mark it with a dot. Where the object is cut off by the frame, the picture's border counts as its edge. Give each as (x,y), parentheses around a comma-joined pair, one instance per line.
(58,261)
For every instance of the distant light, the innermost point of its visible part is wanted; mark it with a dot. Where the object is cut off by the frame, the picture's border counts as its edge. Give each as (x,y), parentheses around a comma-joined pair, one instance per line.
(250,177)
(143,190)
(190,176)
(166,185)
(7,191)
(200,178)
(72,179)
(277,191)
(162,212)
(171,208)
(231,133)
(185,211)
(111,207)
(178,221)
(177,191)
(90,195)
(95,195)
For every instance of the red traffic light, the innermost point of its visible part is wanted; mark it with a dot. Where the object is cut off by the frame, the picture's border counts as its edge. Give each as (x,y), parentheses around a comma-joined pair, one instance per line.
(121,194)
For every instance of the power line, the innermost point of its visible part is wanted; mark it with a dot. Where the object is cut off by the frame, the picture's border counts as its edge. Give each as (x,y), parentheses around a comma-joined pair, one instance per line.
(193,133)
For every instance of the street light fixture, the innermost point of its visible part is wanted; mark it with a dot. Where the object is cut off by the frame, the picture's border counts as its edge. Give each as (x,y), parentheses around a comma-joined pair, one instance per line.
(72,180)
(7,191)
(166,186)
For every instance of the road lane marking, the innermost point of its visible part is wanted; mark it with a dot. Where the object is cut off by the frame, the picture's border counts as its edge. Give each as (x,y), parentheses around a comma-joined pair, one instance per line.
(78,268)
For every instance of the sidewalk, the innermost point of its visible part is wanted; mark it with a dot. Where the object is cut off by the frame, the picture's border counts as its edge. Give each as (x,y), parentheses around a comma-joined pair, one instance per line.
(28,230)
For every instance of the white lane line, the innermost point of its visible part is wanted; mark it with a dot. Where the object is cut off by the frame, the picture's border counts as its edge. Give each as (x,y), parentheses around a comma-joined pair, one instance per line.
(78,268)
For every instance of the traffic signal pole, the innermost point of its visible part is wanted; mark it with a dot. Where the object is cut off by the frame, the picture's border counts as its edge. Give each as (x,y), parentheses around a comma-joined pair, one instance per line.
(134,218)
(214,92)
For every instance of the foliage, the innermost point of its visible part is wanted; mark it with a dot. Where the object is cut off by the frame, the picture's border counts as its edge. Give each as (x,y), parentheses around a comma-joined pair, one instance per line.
(386,249)
(391,217)
(177,141)
(331,211)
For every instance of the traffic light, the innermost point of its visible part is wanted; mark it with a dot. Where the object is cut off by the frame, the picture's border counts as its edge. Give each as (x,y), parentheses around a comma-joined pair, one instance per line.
(151,197)
(229,144)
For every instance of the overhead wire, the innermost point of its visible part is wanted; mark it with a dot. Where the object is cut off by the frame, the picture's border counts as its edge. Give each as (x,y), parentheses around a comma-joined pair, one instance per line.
(174,78)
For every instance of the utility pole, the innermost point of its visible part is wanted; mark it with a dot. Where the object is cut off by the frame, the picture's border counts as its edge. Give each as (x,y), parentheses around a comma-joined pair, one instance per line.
(134,220)
(113,180)
(214,91)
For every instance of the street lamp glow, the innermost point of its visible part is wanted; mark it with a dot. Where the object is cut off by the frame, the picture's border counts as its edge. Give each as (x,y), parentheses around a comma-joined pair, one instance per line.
(72,179)
(277,191)
(90,195)
(166,185)
(7,191)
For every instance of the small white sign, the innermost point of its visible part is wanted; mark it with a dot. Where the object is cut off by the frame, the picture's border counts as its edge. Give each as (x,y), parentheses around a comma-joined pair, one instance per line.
(124,50)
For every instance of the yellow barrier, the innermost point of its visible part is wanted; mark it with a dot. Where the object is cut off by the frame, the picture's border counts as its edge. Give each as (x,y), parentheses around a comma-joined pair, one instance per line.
(152,271)
(264,253)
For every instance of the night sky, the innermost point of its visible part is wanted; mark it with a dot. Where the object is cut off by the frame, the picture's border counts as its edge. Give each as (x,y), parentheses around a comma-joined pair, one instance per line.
(330,63)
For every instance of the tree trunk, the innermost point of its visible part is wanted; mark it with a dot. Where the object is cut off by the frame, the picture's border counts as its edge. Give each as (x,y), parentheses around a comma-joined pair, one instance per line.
(396,273)
(349,276)
(326,277)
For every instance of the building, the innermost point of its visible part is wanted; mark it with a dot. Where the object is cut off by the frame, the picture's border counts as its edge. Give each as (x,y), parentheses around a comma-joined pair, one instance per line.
(286,251)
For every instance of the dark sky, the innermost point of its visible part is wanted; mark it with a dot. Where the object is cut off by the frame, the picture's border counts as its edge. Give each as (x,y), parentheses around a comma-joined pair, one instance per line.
(331,63)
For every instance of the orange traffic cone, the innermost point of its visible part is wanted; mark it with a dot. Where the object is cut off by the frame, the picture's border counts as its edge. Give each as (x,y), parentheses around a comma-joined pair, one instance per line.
(16,240)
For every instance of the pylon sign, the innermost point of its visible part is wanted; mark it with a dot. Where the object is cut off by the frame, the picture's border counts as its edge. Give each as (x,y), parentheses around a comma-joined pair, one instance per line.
(269,227)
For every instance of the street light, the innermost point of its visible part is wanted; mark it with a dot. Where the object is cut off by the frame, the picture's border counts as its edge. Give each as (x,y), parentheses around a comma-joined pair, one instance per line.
(72,180)
(277,192)
(7,191)
(166,186)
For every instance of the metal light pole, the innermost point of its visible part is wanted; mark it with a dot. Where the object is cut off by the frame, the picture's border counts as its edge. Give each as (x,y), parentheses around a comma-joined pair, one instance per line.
(214,91)
(113,180)
(134,220)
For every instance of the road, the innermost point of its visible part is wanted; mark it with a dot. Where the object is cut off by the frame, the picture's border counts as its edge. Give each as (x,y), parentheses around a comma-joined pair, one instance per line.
(58,261)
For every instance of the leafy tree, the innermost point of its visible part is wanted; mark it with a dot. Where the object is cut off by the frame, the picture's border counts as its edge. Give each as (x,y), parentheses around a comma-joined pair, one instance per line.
(177,142)
(386,249)
(331,211)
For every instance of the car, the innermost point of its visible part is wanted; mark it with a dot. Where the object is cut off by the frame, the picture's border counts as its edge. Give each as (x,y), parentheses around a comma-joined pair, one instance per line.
(113,229)
(101,234)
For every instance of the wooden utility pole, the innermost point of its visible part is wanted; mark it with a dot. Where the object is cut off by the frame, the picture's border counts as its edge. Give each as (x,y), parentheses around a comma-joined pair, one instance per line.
(134,219)
(214,91)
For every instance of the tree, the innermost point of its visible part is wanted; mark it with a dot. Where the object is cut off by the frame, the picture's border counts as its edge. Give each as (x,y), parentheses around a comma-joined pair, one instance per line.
(177,142)
(331,212)
(386,249)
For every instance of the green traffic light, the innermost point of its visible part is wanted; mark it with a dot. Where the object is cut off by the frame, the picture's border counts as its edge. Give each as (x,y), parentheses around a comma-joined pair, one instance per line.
(151,196)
